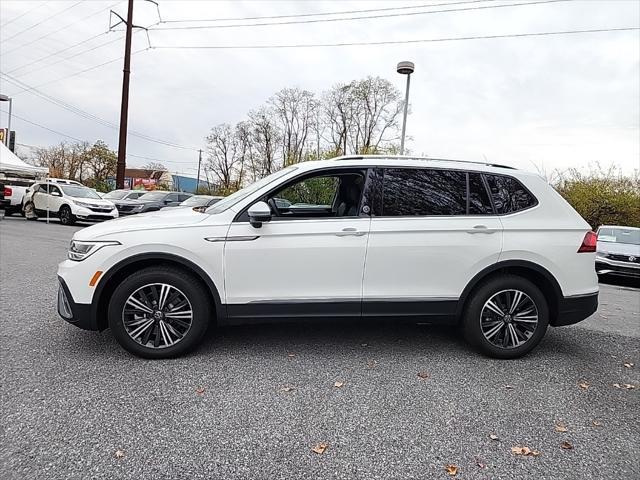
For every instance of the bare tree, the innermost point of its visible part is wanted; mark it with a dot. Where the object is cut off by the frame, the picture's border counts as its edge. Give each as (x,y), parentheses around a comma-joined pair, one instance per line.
(295,110)
(222,156)
(266,138)
(154,166)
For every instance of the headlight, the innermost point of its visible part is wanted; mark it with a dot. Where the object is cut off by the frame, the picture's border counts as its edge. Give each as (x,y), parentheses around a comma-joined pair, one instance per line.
(79,249)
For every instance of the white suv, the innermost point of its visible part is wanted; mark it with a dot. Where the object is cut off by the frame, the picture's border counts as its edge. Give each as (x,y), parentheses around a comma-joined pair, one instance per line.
(492,249)
(68,200)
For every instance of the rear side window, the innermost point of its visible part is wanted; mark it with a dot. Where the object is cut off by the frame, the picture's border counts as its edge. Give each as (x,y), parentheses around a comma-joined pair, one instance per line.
(508,194)
(424,192)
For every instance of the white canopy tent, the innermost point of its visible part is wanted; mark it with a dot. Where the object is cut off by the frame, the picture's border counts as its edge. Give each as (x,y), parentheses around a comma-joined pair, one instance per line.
(11,165)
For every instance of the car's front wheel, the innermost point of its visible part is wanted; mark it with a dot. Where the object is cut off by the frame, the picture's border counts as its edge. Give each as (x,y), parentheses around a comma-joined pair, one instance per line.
(159,312)
(506,317)
(66,217)
(30,211)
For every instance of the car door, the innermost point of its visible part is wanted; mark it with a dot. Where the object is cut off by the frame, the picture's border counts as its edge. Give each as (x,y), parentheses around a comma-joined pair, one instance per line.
(307,261)
(40,197)
(55,198)
(433,230)
(171,200)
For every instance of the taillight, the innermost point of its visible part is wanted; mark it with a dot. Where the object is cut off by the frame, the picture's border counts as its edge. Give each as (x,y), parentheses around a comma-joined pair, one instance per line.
(8,192)
(589,243)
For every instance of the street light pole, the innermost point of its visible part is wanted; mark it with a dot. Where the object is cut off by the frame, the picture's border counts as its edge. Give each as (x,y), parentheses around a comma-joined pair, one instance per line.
(4,98)
(124,106)
(405,68)
(199,162)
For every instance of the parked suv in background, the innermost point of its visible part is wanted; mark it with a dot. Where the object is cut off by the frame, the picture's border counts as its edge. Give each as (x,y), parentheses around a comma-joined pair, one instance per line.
(492,249)
(158,199)
(69,201)
(618,251)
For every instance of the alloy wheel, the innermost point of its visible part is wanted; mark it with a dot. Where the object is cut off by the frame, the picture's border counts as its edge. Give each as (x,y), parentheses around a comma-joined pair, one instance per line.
(157,315)
(509,319)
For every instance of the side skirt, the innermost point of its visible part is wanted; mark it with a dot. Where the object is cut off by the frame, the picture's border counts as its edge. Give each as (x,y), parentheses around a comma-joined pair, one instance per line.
(432,311)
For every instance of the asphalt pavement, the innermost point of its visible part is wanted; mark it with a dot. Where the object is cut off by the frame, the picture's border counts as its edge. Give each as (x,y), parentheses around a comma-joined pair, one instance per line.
(252,402)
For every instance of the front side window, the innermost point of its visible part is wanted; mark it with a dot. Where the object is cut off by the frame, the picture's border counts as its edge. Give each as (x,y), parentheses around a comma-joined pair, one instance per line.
(116,195)
(423,192)
(508,194)
(336,194)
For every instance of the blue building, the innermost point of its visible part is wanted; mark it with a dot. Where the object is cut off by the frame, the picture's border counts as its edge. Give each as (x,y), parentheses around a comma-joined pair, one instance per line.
(183,183)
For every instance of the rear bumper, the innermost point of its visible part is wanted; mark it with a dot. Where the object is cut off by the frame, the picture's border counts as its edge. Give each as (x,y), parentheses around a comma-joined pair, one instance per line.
(78,314)
(575,309)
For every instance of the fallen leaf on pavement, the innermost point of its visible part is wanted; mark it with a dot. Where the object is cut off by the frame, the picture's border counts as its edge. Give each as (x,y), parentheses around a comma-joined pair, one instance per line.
(479,463)
(566,445)
(288,389)
(200,390)
(629,364)
(583,385)
(338,384)
(291,355)
(494,437)
(526,451)
(423,374)
(628,386)
(451,469)
(320,448)
(509,387)
(561,427)
(372,364)
(119,454)
(596,423)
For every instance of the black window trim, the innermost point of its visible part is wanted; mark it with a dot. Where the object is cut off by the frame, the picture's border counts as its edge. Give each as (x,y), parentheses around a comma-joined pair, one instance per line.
(240,216)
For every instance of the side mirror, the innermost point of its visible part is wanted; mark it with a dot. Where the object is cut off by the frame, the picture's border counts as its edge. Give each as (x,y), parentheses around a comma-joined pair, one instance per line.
(258,213)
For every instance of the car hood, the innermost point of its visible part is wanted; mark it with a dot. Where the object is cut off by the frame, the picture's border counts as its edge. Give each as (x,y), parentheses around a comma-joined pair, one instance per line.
(179,217)
(619,248)
(94,201)
(127,202)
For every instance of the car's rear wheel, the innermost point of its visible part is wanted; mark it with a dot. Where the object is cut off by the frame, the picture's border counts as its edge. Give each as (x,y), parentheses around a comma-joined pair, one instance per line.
(506,317)
(30,211)
(159,312)
(66,217)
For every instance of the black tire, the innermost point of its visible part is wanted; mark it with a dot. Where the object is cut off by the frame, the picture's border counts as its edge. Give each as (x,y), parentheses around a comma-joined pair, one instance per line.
(192,289)
(473,314)
(30,211)
(65,215)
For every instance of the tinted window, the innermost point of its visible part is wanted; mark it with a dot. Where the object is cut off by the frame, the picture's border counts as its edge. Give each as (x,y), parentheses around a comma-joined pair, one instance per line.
(508,194)
(479,201)
(172,197)
(410,192)
(183,197)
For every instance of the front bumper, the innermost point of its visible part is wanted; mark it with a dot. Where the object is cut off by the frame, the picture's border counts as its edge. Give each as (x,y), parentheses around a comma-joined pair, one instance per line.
(78,314)
(82,213)
(615,267)
(576,308)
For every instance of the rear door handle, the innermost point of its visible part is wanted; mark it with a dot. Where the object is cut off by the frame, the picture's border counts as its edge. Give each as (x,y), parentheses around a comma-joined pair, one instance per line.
(349,232)
(481,229)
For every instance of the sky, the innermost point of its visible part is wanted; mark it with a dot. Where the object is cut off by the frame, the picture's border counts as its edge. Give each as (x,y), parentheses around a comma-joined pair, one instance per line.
(536,103)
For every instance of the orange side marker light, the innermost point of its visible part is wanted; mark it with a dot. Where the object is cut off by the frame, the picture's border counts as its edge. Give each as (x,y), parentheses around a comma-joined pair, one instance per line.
(95,278)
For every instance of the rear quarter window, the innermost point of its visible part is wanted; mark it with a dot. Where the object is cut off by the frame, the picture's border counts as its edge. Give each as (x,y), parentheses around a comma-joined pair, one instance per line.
(508,194)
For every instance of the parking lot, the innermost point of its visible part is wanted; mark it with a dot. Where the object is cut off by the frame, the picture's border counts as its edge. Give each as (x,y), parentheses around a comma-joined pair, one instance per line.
(388,401)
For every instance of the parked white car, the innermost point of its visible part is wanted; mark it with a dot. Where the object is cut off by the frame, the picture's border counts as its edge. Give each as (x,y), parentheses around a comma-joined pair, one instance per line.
(490,248)
(69,201)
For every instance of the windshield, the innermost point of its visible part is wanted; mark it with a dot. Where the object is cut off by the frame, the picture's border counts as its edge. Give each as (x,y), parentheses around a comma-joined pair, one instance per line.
(78,191)
(619,235)
(234,198)
(152,196)
(116,194)
(196,201)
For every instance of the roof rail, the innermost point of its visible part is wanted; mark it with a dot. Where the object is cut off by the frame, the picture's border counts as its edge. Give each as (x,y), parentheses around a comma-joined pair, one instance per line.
(409,157)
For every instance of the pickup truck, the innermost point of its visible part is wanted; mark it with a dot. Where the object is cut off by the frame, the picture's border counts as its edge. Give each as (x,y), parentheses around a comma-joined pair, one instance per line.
(12,193)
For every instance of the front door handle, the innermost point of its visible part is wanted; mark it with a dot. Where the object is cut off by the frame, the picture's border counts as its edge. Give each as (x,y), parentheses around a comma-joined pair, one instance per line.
(349,232)
(481,229)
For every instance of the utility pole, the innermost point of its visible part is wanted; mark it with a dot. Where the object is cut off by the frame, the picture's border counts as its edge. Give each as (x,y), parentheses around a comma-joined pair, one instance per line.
(199,162)
(124,106)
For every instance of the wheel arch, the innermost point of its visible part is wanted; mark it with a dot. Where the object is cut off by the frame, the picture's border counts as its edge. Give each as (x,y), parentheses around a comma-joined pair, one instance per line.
(533,272)
(111,279)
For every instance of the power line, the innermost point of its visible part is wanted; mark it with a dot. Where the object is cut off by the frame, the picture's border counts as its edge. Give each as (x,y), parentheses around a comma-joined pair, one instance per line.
(368,17)
(23,14)
(60,29)
(42,21)
(343,12)
(89,116)
(392,42)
